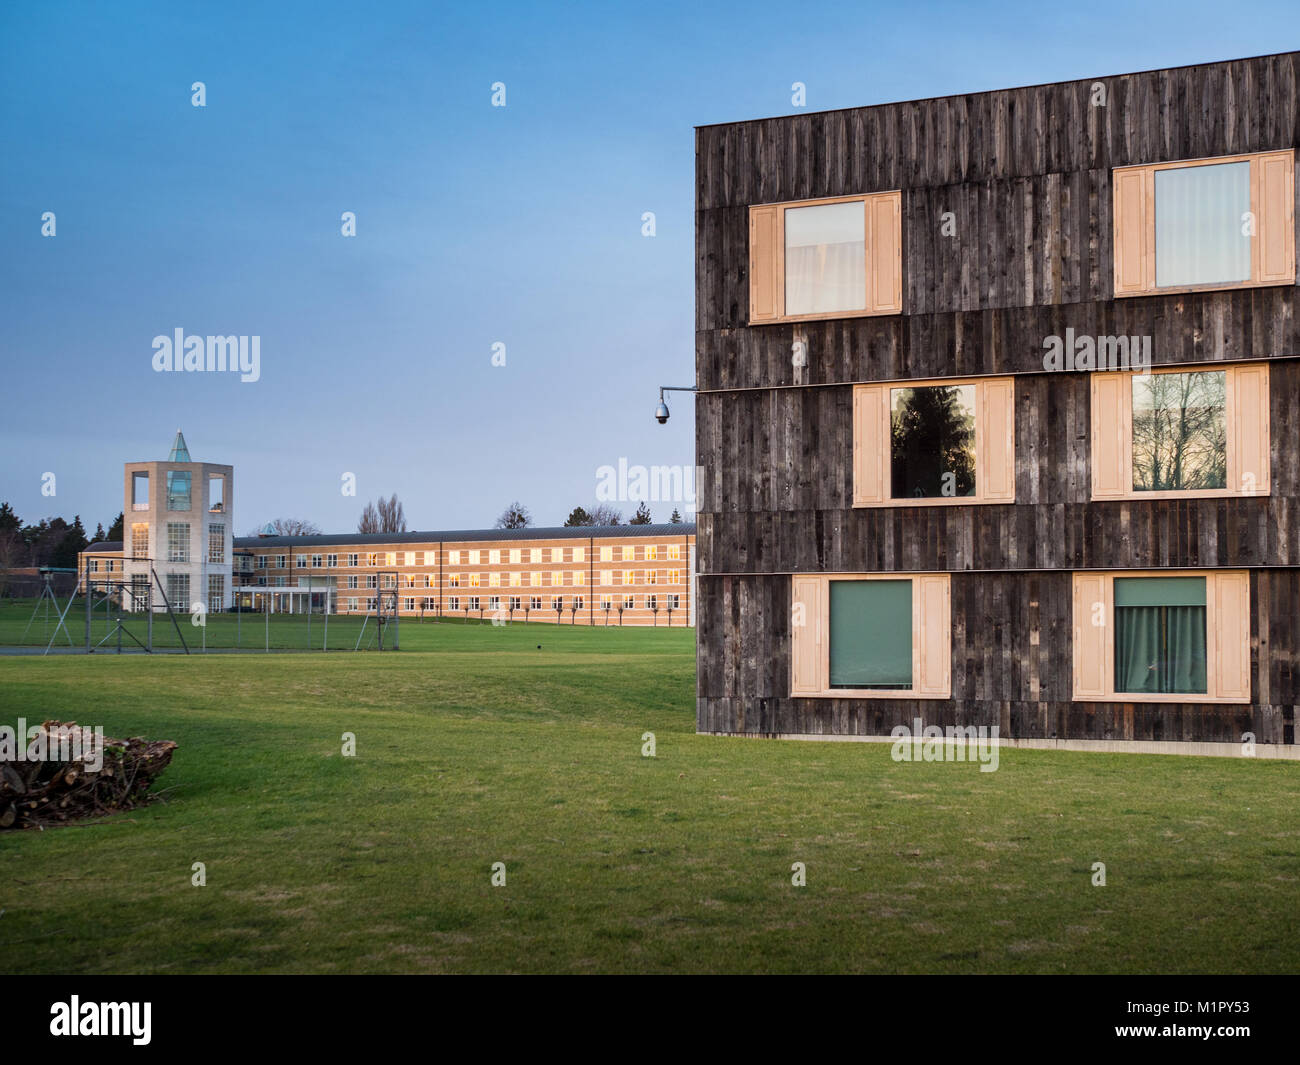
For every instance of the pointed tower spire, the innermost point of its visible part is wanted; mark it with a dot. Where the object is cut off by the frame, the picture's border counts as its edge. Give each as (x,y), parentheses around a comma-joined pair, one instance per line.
(180,453)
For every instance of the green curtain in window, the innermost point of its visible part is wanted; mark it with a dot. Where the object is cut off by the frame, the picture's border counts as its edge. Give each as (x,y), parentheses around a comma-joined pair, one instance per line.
(871,634)
(1160,635)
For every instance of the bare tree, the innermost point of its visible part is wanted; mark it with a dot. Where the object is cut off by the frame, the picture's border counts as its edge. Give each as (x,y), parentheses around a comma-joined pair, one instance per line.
(290,527)
(1179,431)
(515,516)
(392,517)
(605,514)
(387,516)
(369,522)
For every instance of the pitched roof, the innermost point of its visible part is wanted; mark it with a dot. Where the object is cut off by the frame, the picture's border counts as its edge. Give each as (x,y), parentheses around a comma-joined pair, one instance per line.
(179,453)
(565,532)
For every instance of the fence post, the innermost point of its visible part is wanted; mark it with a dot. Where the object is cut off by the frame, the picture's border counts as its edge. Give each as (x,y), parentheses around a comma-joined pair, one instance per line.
(88,606)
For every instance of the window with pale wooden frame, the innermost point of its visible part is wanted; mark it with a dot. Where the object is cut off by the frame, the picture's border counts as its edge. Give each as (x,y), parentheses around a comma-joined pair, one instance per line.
(1181,432)
(871,636)
(926,443)
(830,258)
(1205,224)
(1165,636)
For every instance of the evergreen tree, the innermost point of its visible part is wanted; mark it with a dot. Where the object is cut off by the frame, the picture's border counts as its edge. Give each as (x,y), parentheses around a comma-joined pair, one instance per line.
(932,437)
(642,515)
(64,551)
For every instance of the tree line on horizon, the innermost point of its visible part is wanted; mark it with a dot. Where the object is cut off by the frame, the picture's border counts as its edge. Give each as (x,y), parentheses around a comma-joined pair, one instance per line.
(57,542)
(49,542)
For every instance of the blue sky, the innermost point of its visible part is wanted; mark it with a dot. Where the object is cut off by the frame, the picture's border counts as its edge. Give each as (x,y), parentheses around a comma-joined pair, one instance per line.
(475,225)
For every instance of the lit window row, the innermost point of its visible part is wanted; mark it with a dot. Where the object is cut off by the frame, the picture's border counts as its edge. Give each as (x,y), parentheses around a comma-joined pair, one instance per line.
(474,557)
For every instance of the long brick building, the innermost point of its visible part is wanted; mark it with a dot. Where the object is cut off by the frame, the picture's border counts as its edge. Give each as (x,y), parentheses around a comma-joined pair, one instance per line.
(179,516)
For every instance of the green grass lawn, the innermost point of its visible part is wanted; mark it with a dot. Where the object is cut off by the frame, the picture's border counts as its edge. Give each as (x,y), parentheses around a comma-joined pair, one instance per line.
(22,624)
(474,746)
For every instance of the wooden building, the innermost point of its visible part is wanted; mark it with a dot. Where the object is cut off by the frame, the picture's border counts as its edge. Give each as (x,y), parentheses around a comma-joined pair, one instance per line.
(997,414)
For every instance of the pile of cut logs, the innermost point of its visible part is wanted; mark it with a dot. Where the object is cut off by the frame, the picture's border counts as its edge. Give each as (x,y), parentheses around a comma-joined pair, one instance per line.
(55,780)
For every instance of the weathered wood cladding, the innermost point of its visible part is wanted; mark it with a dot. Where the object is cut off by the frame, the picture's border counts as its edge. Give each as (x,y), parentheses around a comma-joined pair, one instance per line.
(1011,667)
(1192,327)
(1026,177)
(776,495)
(1246,105)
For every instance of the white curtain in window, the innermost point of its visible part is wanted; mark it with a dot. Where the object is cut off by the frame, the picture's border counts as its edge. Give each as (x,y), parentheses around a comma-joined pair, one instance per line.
(825,259)
(1201,232)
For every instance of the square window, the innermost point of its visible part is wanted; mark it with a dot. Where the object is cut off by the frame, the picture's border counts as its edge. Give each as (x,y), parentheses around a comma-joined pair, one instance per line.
(825,259)
(1184,433)
(871,634)
(1212,223)
(1167,636)
(1180,438)
(1201,233)
(1160,641)
(932,442)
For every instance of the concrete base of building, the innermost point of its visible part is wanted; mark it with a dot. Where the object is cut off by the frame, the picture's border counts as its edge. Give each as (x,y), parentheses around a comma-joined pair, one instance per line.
(1285,752)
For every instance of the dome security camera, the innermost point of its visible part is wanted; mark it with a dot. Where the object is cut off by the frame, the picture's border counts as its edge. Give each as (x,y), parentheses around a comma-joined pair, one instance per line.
(661,412)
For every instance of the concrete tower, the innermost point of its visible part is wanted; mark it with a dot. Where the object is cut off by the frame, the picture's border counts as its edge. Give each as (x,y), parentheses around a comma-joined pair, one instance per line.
(180,521)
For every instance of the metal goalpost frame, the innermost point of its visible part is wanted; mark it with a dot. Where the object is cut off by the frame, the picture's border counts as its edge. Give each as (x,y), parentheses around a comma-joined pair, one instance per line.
(170,613)
(383,592)
(43,602)
(107,590)
(123,588)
